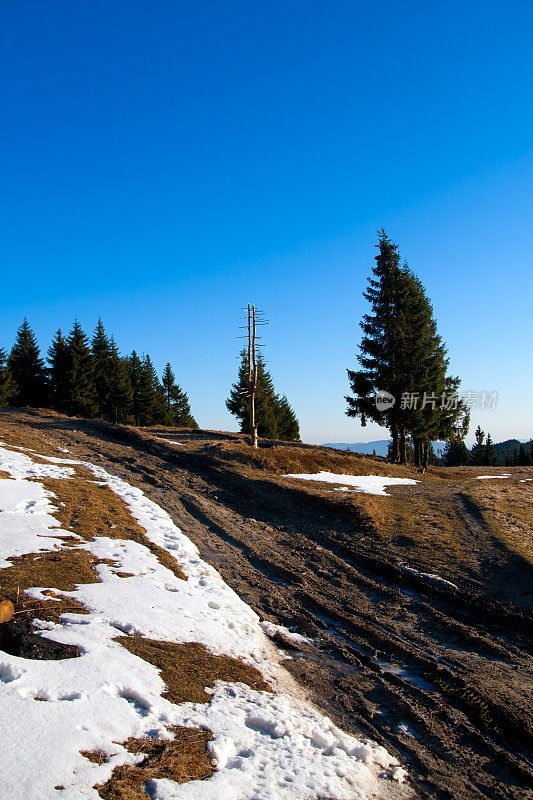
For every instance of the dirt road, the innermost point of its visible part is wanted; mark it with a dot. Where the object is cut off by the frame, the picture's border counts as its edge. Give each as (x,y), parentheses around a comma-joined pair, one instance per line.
(440,675)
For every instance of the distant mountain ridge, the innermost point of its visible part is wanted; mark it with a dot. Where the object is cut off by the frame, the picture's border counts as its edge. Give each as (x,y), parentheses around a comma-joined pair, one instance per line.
(380,446)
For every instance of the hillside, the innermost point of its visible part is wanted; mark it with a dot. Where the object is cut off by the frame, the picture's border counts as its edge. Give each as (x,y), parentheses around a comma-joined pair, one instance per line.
(413,602)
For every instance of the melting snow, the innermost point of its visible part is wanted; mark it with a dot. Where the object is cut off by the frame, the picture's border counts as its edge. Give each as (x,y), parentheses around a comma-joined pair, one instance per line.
(369,484)
(490,477)
(265,745)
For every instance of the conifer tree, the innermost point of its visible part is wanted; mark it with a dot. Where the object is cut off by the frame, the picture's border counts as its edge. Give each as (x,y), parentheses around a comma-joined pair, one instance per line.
(8,387)
(401,353)
(177,402)
(274,416)
(152,404)
(58,358)
(288,427)
(490,456)
(120,388)
(524,456)
(135,370)
(101,364)
(379,352)
(456,453)
(478,450)
(27,369)
(81,397)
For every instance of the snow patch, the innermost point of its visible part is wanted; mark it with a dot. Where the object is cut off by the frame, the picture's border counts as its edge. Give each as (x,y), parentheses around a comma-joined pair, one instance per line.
(368,484)
(267,745)
(274,631)
(428,576)
(491,477)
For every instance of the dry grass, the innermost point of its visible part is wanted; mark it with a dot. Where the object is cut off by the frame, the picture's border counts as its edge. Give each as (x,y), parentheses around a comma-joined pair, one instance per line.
(286,458)
(63,569)
(188,668)
(4,475)
(181,759)
(93,510)
(507,509)
(428,529)
(96,756)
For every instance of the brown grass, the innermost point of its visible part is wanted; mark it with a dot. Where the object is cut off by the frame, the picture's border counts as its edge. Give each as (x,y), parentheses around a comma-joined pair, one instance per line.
(507,509)
(63,569)
(188,668)
(284,458)
(181,759)
(94,510)
(4,475)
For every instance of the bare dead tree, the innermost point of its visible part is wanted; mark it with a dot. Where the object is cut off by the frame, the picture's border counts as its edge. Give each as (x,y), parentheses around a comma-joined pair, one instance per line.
(252,372)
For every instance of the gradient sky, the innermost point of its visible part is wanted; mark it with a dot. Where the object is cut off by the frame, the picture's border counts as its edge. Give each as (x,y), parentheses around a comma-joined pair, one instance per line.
(165,162)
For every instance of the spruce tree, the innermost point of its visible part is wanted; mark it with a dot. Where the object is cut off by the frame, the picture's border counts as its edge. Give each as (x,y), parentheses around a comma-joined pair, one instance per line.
(152,405)
(58,358)
(8,387)
(274,416)
(101,364)
(81,396)
(288,427)
(456,453)
(490,456)
(177,402)
(120,388)
(135,371)
(379,351)
(402,353)
(478,450)
(524,456)
(27,369)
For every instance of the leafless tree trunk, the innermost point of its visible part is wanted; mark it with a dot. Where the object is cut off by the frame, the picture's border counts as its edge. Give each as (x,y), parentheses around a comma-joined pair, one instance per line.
(252,372)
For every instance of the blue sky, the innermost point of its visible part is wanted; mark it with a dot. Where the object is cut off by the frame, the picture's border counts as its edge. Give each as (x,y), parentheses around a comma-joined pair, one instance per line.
(163,163)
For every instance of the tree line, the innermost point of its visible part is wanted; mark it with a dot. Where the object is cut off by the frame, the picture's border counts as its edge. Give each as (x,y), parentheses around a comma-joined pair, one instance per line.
(89,378)
(486,453)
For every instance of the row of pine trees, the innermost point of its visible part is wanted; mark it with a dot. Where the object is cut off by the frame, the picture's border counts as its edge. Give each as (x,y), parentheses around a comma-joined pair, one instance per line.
(89,378)
(485,453)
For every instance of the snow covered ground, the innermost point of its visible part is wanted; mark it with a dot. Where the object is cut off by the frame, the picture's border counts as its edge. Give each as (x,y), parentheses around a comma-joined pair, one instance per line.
(368,484)
(265,745)
(491,477)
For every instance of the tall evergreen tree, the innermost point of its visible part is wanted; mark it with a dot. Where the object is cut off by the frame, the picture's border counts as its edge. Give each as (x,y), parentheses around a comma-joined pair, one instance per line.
(8,387)
(401,353)
(27,369)
(177,402)
(378,351)
(135,370)
(456,453)
(81,396)
(478,450)
(490,456)
(101,366)
(58,358)
(120,388)
(274,417)
(288,427)
(152,406)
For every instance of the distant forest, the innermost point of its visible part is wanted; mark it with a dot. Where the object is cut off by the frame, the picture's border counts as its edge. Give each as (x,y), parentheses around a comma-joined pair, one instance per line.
(89,378)
(485,452)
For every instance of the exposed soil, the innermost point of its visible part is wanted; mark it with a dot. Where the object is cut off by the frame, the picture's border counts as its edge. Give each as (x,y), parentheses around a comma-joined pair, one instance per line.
(441,676)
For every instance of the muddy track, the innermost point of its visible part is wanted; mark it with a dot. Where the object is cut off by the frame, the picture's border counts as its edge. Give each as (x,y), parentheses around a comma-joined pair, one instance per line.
(441,676)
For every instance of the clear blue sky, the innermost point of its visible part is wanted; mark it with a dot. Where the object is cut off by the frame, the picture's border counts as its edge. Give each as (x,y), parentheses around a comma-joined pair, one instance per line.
(165,162)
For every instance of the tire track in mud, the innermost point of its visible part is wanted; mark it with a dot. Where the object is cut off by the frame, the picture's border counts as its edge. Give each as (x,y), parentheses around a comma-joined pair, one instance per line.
(430,672)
